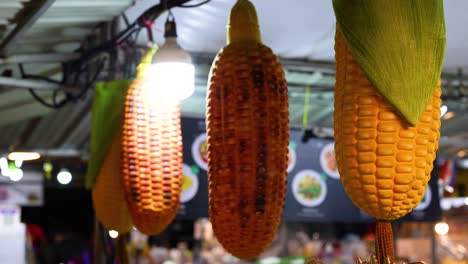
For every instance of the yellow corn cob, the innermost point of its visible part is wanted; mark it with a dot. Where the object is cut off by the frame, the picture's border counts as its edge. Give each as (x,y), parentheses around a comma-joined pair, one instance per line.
(384,162)
(108,195)
(248,136)
(152,159)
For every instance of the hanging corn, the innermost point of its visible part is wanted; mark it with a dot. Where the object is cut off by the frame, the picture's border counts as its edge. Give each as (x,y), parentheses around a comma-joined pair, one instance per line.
(248,136)
(389,57)
(103,172)
(152,156)
(108,195)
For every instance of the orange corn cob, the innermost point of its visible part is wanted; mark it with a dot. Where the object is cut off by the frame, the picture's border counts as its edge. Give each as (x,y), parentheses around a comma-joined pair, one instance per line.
(108,195)
(384,162)
(152,159)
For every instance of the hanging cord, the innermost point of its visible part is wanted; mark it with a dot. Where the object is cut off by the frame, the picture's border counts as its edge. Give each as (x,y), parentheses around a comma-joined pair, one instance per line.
(384,242)
(90,83)
(125,37)
(125,19)
(307,133)
(121,250)
(196,5)
(150,14)
(33,93)
(149,27)
(68,96)
(305,116)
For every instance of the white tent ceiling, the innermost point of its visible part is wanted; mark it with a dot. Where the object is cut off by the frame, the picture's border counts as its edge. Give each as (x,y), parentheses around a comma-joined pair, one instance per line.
(293,29)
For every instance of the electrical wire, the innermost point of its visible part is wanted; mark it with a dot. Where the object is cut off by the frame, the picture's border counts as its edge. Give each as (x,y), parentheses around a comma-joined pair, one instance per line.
(68,96)
(88,85)
(125,18)
(195,5)
(127,37)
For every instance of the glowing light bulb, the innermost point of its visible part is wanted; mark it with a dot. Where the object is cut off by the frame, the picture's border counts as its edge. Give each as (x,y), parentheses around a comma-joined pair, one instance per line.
(18,163)
(64,177)
(443,110)
(3,164)
(113,234)
(441,228)
(173,81)
(461,153)
(16,175)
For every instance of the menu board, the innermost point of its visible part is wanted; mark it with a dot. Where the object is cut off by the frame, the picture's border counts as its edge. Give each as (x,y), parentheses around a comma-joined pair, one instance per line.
(28,191)
(194,197)
(314,192)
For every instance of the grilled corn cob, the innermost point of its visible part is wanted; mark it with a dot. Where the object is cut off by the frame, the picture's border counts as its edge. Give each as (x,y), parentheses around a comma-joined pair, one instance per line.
(248,136)
(152,159)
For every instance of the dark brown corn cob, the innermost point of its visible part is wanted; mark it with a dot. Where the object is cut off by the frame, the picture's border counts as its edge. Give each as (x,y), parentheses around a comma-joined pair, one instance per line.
(248,136)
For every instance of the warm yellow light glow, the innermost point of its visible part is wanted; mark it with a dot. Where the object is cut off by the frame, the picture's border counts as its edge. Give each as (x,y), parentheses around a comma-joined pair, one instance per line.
(113,234)
(461,153)
(441,228)
(449,115)
(24,156)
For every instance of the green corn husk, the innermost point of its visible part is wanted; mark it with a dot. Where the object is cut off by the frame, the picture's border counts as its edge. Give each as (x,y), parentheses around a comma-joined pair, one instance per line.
(106,119)
(399,45)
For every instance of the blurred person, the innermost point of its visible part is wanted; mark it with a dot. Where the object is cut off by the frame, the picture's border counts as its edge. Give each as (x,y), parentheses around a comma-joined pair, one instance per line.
(38,241)
(159,254)
(65,247)
(185,253)
(176,256)
(294,248)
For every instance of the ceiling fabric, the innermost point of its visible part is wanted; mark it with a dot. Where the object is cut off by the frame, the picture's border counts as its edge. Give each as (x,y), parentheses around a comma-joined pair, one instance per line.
(302,29)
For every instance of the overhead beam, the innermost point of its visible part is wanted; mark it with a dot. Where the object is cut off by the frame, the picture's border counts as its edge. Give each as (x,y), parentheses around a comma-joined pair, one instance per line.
(13,98)
(52,153)
(36,58)
(31,16)
(28,84)
(23,112)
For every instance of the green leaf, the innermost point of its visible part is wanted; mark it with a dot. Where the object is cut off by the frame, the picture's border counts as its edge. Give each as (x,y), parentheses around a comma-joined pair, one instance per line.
(399,45)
